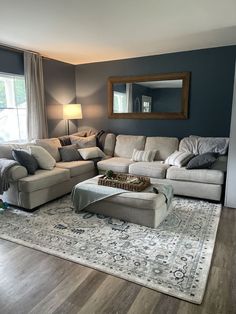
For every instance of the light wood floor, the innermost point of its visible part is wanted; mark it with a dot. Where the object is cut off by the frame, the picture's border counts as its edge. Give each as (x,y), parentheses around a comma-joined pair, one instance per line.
(35,282)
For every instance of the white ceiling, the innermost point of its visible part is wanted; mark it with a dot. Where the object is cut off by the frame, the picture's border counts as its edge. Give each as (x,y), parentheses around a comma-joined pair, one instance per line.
(83,31)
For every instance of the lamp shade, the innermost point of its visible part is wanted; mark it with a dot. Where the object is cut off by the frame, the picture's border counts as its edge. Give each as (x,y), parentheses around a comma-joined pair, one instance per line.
(72,111)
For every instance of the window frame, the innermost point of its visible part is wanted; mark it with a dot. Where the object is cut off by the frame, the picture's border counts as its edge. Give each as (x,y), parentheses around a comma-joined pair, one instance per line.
(20,139)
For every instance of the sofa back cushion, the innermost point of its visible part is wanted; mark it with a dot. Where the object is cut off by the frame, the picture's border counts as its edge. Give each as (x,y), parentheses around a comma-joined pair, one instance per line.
(51,145)
(125,145)
(6,149)
(83,142)
(164,146)
(109,144)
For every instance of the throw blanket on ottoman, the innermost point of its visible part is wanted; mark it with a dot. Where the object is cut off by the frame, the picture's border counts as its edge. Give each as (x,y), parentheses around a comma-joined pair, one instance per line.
(86,193)
(5,166)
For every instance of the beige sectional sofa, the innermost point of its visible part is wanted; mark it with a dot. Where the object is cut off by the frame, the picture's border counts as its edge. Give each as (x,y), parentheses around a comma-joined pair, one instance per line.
(30,191)
(200,183)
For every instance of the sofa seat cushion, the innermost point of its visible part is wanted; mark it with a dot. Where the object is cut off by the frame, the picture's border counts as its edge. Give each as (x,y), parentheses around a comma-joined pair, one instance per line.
(154,169)
(77,167)
(195,175)
(43,179)
(117,164)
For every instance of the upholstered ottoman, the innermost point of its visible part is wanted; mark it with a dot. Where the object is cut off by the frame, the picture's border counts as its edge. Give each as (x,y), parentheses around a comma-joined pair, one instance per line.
(144,208)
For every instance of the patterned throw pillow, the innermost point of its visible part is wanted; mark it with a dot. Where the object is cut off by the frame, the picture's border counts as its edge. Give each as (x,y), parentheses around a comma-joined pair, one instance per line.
(143,155)
(179,159)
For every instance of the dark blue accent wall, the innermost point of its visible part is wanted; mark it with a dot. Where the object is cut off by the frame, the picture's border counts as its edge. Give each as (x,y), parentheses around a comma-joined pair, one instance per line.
(211,89)
(11,61)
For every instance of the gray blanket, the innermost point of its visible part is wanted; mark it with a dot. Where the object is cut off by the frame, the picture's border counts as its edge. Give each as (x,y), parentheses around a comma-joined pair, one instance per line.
(85,193)
(200,145)
(166,190)
(89,192)
(5,166)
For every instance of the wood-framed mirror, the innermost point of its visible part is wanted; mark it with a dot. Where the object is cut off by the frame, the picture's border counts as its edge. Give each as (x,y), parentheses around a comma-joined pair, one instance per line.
(162,96)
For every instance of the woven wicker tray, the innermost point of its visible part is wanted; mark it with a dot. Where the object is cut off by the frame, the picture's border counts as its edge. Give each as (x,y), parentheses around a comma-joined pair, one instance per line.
(126,182)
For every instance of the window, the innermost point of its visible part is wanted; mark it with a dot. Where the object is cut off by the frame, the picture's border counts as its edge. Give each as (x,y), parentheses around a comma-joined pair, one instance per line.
(120,102)
(13,124)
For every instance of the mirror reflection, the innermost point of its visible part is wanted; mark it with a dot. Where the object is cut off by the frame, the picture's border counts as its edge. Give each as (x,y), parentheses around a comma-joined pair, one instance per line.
(152,96)
(161,96)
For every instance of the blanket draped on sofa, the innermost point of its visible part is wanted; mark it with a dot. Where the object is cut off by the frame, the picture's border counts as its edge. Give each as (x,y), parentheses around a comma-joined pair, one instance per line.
(5,166)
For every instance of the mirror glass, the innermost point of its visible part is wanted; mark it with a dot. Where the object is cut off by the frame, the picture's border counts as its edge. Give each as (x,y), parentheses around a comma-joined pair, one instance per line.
(160,96)
(152,96)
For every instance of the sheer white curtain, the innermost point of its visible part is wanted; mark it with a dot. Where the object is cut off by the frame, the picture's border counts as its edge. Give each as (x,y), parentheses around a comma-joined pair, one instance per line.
(36,112)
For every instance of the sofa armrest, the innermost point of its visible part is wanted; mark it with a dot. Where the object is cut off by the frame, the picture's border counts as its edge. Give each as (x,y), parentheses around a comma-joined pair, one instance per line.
(17,172)
(220,163)
(109,144)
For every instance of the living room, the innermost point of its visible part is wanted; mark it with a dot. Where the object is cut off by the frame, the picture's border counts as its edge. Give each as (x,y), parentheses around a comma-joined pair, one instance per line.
(163,240)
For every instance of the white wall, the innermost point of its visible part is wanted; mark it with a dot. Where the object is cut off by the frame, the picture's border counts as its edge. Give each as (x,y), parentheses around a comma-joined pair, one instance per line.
(230,193)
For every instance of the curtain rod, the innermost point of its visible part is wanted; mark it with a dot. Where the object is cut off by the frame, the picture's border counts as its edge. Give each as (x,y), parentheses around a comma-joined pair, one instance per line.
(13,48)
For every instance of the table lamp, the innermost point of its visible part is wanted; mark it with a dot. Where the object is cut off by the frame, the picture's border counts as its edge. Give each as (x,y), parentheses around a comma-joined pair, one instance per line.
(71,112)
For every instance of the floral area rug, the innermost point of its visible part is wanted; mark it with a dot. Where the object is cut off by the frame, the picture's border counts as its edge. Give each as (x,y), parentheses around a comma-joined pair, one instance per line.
(174,259)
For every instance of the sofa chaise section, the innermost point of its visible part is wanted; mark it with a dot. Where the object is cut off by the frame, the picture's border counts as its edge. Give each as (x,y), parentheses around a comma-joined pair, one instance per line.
(200,183)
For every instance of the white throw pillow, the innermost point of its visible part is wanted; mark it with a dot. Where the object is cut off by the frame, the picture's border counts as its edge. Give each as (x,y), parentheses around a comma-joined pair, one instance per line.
(83,142)
(44,159)
(179,159)
(143,155)
(91,152)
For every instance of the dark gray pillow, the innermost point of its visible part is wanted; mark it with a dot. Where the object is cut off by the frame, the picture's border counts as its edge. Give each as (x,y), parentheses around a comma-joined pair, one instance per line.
(100,139)
(25,159)
(69,153)
(65,140)
(203,161)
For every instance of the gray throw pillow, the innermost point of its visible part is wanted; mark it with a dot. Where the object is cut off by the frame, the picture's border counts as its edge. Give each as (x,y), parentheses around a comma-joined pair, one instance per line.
(26,160)
(69,153)
(203,161)
(65,140)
